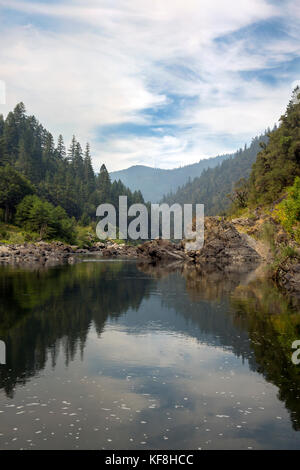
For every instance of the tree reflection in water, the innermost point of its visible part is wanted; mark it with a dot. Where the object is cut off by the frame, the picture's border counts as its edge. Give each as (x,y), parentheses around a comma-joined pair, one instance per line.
(45,310)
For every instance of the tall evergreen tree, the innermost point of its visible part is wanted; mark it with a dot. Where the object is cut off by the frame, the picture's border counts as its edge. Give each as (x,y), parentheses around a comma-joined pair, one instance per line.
(103,185)
(11,139)
(19,115)
(77,161)
(13,188)
(2,147)
(71,150)
(89,174)
(61,149)
(70,182)
(278,163)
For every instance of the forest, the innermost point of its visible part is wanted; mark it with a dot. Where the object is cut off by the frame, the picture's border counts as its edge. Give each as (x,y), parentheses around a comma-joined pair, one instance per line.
(213,187)
(46,189)
(265,174)
(52,192)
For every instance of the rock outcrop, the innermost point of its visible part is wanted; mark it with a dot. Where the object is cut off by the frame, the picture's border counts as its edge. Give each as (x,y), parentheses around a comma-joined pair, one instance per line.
(41,253)
(287,276)
(161,250)
(224,247)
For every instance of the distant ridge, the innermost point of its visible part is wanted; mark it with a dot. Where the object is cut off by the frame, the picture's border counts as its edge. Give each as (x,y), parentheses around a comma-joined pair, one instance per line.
(213,186)
(155,182)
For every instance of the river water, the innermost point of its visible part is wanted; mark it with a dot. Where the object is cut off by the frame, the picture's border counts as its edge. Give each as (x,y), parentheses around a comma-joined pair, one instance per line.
(120,355)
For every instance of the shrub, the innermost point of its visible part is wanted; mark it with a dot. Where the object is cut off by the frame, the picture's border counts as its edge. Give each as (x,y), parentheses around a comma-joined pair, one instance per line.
(287,212)
(40,216)
(267,234)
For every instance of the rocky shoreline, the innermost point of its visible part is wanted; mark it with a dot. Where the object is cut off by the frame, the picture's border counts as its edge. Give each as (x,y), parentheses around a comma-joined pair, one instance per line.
(287,276)
(41,253)
(225,249)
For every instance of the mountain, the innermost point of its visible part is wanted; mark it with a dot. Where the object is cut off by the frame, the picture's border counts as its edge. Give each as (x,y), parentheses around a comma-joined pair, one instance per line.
(212,187)
(155,182)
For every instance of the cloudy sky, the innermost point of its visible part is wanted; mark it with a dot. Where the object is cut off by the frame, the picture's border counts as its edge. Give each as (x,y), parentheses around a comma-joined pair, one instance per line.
(156,82)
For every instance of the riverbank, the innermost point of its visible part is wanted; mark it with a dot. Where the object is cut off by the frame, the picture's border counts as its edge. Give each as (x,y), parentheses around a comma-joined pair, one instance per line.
(229,246)
(279,251)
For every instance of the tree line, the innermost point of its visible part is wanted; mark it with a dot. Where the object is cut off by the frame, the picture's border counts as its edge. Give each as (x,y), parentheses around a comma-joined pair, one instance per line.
(275,173)
(45,186)
(214,185)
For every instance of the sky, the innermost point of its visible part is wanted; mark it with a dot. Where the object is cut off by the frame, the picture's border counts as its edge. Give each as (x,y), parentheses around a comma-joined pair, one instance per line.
(162,83)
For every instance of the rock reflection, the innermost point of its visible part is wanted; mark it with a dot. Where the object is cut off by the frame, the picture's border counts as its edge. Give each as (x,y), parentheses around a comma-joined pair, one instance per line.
(264,320)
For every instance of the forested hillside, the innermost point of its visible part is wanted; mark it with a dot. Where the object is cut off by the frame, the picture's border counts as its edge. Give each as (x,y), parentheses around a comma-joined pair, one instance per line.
(277,166)
(155,182)
(43,184)
(274,182)
(278,163)
(215,184)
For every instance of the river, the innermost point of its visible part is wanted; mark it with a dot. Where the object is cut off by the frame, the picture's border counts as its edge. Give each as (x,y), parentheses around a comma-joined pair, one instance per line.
(121,355)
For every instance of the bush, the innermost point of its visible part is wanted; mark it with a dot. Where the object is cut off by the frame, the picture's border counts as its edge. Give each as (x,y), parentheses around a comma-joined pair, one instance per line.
(267,234)
(40,216)
(3,234)
(287,212)
(85,236)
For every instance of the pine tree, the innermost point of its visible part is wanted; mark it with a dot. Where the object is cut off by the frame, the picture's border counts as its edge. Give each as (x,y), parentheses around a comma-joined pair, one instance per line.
(19,115)
(13,188)
(77,161)
(71,150)
(278,163)
(27,149)
(103,185)
(61,149)
(11,139)
(89,175)
(48,156)
(2,147)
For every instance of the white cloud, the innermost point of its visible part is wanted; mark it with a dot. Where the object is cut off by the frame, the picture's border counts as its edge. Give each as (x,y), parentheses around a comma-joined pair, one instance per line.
(105,64)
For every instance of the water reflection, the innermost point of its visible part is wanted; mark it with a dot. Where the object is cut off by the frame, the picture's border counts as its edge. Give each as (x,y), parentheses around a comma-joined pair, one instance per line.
(48,309)
(119,355)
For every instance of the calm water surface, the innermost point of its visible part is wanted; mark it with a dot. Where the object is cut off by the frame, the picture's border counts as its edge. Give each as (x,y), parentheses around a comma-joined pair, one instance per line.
(117,355)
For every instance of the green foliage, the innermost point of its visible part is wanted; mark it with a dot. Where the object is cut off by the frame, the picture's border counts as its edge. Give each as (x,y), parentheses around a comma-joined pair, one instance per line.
(157,182)
(278,163)
(267,234)
(31,163)
(282,255)
(41,216)
(287,211)
(85,236)
(239,194)
(13,187)
(12,234)
(214,184)
(289,252)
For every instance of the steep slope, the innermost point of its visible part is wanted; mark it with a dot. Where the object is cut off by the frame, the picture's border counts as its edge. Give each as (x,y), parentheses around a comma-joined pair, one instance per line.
(214,184)
(270,207)
(155,182)
(278,163)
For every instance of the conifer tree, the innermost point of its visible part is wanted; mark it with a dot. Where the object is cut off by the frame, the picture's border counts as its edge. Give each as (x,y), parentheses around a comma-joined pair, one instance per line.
(89,174)
(61,149)
(103,185)
(27,150)
(71,150)
(11,139)
(77,161)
